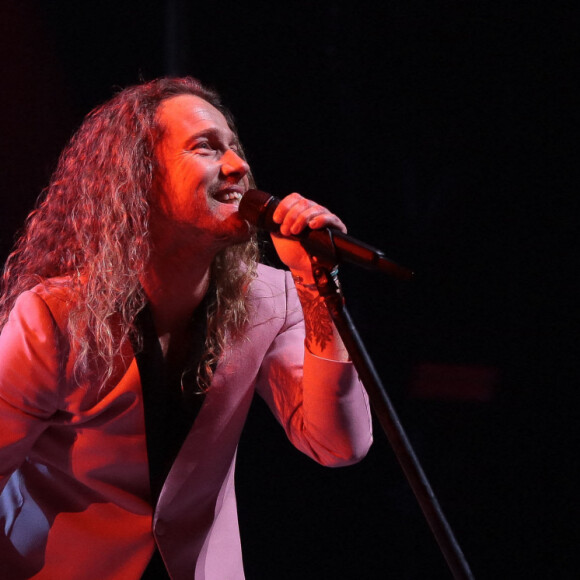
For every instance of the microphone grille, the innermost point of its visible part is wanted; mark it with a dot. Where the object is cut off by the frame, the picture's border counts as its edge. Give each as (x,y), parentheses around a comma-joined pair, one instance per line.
(257,208)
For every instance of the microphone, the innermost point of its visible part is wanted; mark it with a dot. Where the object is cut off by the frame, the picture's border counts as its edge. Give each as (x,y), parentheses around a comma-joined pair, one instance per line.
(257,207)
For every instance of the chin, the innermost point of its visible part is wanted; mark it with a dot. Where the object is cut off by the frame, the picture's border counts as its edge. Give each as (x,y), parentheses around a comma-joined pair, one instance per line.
(235,231)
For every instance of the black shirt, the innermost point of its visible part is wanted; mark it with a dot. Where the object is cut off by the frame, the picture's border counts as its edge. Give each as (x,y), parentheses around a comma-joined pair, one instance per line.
(171,401)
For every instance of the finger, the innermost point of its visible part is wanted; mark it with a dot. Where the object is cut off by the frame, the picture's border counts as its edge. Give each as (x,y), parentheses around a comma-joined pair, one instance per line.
(298,220)
(285,205)
(295,212)
(327,220)
(292,208)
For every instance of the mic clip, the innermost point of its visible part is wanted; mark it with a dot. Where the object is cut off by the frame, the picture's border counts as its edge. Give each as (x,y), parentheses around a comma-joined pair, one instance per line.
(325,274)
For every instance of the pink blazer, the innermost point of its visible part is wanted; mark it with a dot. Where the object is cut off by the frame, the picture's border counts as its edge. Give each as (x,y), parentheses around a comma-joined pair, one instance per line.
(73,463)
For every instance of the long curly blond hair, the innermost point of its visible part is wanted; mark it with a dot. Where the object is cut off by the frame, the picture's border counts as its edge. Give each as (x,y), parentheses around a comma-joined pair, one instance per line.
(91,226)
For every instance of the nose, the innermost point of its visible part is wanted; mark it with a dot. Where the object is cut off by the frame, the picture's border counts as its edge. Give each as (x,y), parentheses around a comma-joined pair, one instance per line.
(233,164)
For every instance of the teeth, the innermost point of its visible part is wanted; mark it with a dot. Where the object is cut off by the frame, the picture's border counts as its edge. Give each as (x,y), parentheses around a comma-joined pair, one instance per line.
(230,196)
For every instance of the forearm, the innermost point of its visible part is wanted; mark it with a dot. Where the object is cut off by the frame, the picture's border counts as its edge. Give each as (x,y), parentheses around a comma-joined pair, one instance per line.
(322,337)
(294,213)
(335,412)
(319,401)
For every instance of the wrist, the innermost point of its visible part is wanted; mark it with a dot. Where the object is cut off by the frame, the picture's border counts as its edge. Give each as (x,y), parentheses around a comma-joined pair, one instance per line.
(303,273)
(307,280)
(304,281)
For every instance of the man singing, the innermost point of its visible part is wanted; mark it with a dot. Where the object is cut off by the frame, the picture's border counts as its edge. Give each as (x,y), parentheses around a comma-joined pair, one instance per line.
(136,326)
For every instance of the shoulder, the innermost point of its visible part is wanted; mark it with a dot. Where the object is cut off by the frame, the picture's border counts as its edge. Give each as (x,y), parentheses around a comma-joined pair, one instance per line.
(34,349)
(270,282)
(55,289)
(51,299)
(272,296)
(271,274)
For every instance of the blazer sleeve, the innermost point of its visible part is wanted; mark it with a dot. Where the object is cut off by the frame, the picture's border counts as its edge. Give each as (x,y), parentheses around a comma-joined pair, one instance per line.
(321,404)
(29,375)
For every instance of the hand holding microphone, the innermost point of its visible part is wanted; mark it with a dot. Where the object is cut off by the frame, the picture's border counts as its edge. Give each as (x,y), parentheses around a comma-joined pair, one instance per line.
(295,213)
(293,216)
(330,242)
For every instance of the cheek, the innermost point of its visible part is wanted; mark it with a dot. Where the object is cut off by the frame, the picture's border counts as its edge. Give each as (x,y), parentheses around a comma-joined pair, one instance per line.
(186,187)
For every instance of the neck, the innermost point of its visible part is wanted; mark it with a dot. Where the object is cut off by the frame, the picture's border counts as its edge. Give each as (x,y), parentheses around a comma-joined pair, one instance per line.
(175,287)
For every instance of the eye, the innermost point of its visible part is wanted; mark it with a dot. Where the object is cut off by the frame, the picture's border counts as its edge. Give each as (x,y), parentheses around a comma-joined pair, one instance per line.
(201,146)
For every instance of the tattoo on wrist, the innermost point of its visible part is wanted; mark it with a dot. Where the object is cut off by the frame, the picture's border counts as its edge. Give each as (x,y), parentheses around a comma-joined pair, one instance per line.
(317,321)
(299,282)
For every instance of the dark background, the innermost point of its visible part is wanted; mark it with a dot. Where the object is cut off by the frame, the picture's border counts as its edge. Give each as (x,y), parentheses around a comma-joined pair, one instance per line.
(443,133)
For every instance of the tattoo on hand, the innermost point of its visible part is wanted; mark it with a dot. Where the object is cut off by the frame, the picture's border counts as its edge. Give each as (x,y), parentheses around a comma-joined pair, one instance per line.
(317,321)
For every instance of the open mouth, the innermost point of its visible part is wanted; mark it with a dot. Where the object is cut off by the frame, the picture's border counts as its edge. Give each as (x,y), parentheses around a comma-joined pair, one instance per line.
(229,196)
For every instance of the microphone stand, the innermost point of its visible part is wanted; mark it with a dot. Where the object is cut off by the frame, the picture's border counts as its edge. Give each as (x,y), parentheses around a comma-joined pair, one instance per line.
(330,290)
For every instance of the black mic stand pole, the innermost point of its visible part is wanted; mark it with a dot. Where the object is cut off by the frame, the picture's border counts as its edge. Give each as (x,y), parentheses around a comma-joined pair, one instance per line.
(329,289)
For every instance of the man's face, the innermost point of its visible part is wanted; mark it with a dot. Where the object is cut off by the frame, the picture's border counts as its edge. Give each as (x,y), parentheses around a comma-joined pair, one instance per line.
(202,177)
